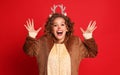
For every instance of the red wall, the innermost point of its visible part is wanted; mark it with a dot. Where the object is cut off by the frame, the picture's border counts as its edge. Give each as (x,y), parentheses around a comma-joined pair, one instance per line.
(14,13)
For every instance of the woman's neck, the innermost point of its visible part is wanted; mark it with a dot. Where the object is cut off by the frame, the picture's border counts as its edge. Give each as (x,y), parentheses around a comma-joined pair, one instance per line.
(60,41)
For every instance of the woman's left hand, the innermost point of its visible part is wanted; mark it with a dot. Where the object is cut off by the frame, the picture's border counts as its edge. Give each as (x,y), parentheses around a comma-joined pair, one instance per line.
(91,27)
(87,34)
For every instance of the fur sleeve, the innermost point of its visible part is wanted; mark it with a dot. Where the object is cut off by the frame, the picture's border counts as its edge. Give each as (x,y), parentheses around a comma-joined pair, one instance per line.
(31,46)
(91,48)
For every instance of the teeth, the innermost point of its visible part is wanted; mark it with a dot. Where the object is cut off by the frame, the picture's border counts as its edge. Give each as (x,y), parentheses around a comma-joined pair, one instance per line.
(59,32)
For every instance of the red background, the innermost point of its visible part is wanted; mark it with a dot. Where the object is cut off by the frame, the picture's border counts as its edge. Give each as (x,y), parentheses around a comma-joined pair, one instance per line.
(14,13)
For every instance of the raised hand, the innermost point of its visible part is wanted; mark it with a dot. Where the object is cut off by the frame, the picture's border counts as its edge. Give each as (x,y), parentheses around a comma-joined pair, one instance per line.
(30,27)
(91,27)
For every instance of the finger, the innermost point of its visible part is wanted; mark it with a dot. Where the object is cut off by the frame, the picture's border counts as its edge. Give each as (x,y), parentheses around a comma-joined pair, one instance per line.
(94,28)
(29,21)
(89,24)
(82,30)
(39,29)
(93,24)
(26,27)
(32,23)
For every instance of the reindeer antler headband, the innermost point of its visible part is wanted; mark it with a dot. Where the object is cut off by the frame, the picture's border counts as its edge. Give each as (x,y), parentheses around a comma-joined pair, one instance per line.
(53,9)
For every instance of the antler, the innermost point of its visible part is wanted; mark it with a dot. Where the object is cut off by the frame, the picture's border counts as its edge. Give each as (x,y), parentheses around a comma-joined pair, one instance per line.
(53,8)
(63,9)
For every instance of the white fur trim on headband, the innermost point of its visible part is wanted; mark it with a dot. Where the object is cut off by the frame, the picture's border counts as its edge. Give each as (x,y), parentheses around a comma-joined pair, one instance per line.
(53,9)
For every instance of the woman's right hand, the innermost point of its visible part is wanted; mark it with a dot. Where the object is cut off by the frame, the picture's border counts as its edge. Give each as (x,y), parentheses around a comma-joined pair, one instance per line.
(30,27)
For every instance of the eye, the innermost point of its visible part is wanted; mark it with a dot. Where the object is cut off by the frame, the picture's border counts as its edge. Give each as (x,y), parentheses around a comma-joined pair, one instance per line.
(63,24)
(55,25)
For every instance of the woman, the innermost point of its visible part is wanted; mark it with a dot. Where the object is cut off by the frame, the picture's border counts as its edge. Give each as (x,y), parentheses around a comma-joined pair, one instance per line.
(58,51)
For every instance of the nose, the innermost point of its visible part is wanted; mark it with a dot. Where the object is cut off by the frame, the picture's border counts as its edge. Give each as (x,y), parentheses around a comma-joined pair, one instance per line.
(59,27)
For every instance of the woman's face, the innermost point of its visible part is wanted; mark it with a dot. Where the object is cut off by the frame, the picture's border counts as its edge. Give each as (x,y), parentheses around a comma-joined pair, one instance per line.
(59,29)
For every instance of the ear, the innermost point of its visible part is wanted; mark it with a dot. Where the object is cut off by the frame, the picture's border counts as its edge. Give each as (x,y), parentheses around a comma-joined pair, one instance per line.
(67,30)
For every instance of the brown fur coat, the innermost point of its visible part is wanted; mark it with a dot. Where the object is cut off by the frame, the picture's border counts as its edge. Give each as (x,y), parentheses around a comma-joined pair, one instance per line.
(77,49)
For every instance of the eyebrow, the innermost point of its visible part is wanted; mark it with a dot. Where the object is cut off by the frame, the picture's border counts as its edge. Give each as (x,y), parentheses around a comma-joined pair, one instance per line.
(61,22)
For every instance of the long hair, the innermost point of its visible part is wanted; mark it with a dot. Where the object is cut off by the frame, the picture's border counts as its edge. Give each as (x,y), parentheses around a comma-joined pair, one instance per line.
(49,23)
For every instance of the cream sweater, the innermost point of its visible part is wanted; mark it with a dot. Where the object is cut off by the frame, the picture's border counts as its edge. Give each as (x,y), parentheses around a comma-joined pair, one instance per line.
(59,62)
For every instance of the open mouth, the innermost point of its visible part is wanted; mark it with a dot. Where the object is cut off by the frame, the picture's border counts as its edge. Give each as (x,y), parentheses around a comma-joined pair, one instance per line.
(59,32)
